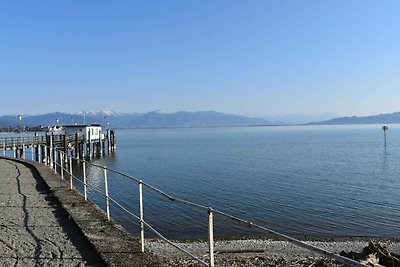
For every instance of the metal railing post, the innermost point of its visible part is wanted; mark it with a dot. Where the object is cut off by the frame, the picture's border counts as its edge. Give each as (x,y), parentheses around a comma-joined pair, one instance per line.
(84,180)
(55,160)
(62,165)
(32,148)
(106,189)
(51,154)
(70,171)
(40,153)
(4,150)
(45,155)
(141,214)
(211,237)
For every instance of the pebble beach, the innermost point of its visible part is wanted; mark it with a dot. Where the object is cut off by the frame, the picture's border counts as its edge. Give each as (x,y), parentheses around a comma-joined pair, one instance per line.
(268,252)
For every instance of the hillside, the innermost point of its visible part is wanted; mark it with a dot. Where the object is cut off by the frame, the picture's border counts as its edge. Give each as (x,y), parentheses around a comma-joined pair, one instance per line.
(374,119)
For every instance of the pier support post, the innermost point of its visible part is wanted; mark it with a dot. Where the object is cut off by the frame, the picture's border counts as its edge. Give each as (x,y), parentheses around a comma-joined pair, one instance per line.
(108,141)
(77,152)
(211,237)
(37,152)
(47,149)
(65,147)
(43,153)
(141,215)
(89,147)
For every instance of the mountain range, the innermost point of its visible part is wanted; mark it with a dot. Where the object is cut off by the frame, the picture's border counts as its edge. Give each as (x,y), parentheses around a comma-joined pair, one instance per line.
(154,119)
(374,119)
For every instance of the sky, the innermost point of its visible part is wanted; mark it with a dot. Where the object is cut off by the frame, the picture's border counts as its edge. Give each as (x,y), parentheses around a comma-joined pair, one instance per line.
(259,58)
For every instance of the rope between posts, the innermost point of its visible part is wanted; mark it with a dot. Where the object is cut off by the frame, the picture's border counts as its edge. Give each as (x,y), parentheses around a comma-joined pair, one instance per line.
(175,246)
(136,217)
(157,233)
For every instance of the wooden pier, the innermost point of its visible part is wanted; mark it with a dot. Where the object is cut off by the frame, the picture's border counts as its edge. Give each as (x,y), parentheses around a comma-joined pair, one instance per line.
(43,145)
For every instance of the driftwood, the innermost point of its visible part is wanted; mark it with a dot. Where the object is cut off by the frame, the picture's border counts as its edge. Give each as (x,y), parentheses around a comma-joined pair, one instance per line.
(375,254)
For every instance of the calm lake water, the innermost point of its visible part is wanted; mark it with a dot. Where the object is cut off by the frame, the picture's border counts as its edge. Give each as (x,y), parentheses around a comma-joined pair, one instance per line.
(331,181)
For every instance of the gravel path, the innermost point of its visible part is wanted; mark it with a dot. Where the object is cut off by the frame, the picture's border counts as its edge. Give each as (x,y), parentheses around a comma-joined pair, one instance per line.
(35,230)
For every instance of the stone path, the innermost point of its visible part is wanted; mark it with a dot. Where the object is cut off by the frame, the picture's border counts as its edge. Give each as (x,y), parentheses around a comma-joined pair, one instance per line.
(34,229)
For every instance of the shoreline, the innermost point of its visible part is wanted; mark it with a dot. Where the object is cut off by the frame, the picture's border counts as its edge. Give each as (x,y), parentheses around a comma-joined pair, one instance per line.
(301,238)
(260,252)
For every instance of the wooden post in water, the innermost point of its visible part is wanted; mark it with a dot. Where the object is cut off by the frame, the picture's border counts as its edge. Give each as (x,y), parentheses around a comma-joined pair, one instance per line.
(89,147)
(47,148)
(101,141)
(36,145)
(43,153)
(82,150)
(65,147)
(112,140)
(108,141)
(385,128)
(77,152)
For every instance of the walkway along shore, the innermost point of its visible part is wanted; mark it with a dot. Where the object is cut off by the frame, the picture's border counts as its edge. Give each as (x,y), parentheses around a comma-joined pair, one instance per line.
(44,223)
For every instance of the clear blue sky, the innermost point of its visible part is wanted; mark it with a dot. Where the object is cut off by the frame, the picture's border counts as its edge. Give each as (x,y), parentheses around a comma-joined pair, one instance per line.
(245,57)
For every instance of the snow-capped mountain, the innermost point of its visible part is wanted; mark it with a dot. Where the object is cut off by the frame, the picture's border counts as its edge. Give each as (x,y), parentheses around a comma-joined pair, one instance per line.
(134,120)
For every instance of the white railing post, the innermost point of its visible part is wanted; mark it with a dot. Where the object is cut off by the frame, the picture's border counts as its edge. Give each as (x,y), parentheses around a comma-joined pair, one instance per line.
(45,155)
(51,153)
(106,189)
(32,148)
(84,180)
(70,171)
(62,165)
(141,214)
(4,150)
(23,150)
(211,237)
(15,151)
(55,160)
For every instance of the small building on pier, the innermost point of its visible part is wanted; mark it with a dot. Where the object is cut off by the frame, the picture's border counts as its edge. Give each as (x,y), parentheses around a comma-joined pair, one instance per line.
(86,132)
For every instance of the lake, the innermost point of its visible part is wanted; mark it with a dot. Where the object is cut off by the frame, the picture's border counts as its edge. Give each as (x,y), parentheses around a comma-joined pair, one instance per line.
(315,181)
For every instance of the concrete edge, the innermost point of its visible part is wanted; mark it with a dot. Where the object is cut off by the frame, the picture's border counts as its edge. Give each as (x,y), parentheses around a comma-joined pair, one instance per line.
(111,241)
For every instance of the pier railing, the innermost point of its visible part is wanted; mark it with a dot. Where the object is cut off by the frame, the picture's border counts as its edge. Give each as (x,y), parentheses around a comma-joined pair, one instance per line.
(62,163)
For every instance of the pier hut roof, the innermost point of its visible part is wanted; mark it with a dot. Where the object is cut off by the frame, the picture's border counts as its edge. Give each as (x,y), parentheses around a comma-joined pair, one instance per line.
(83,125)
